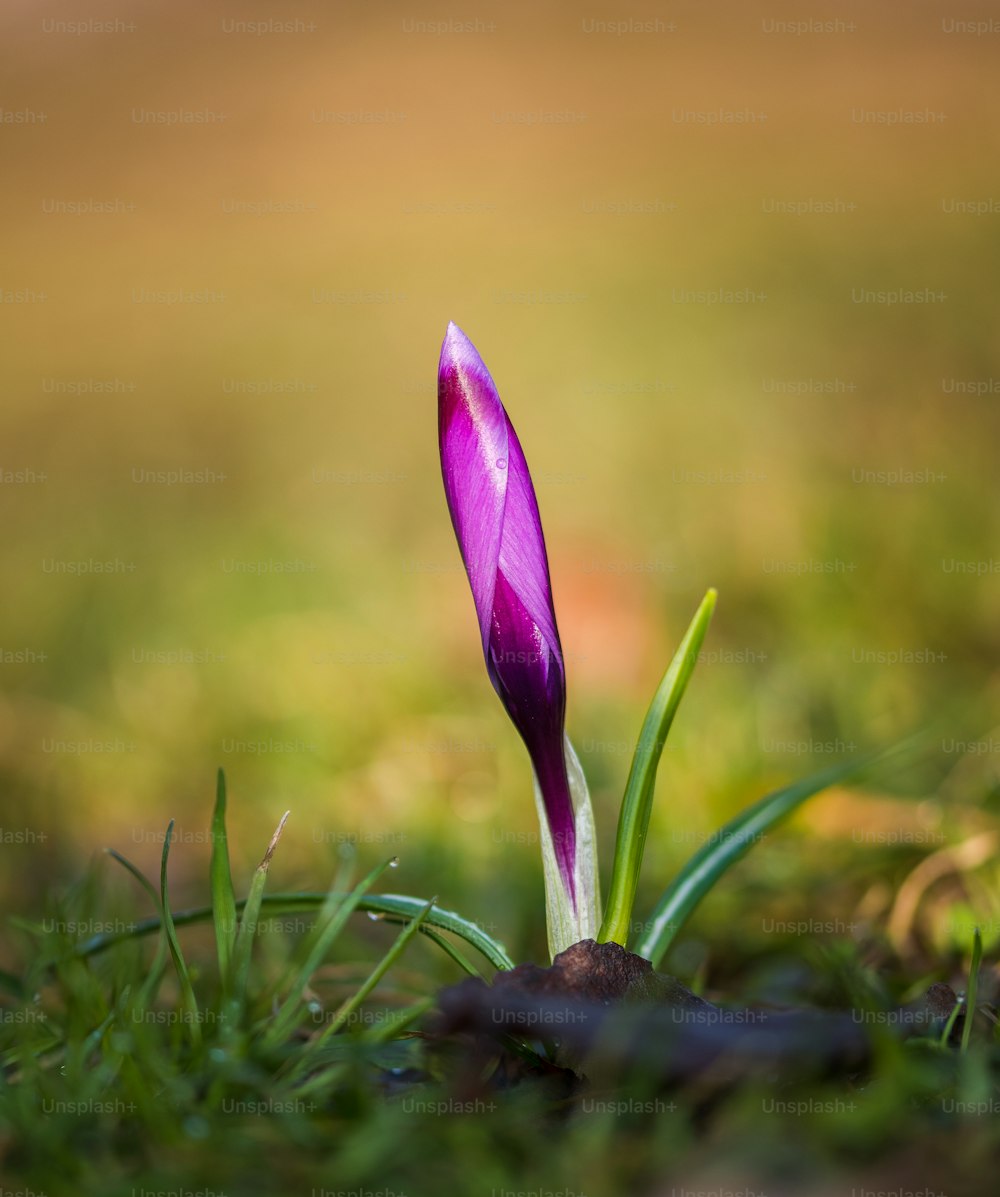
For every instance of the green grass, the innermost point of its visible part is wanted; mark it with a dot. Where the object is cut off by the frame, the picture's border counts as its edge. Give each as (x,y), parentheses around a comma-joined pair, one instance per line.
(138,1054)
(109,1044)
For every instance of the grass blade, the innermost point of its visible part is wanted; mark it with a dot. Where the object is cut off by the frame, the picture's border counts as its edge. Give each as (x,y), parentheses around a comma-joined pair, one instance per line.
(141,877)
(972,992)
(221,879)
(348,1007)
(633,821)
(731,843)
(336,910)
(391,1028)
(395,907)
(400,907)
(949,1026)
(453,952)
(187,990)
(155,972)
(240,959)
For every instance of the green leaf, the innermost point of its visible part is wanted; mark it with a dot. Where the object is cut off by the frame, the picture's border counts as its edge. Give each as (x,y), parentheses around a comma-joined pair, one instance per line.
(449,949)
(347,1008)
(221,878)
(568,922)
(401,908)
(723,850)
(633,821)
(395,908)
(141,877)
(392,1027)
(949,1026)
(240,961)
(335,912)
(972,992)
(156,969)
(187,990)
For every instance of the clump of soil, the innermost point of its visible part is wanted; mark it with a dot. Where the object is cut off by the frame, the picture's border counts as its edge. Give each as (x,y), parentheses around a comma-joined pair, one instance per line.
(603,1013)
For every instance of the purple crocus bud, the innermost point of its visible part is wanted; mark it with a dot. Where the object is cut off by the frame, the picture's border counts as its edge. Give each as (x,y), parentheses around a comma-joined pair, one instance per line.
(495,516)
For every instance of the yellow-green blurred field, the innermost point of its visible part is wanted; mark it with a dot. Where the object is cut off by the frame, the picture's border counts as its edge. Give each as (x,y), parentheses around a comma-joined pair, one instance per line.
(737,288)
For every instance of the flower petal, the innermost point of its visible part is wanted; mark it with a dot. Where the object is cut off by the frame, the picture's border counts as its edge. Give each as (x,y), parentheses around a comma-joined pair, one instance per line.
(525,671)
(522,547)
(472,431)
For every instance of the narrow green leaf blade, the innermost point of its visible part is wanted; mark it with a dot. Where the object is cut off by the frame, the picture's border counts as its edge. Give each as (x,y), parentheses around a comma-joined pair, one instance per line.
(395,908)
(633,821)
(449,949)
(972,992)
(402,908)
(334,915)
(348,1007)
(729,845)
(221,878)
(141,877)
(158,966)
(240,960)
(391,1028)
(187,990)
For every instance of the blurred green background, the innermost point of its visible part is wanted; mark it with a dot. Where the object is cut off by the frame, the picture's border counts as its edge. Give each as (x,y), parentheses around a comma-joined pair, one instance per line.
(735,279)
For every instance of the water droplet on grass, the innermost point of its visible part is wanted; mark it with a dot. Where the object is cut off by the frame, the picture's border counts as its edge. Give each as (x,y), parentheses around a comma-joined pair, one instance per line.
(375,915)
(394,863)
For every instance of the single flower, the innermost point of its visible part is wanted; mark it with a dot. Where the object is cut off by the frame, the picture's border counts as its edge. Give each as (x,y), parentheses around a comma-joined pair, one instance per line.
(495,516)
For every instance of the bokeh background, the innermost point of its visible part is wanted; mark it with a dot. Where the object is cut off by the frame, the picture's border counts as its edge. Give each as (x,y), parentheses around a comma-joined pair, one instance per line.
(733,271)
